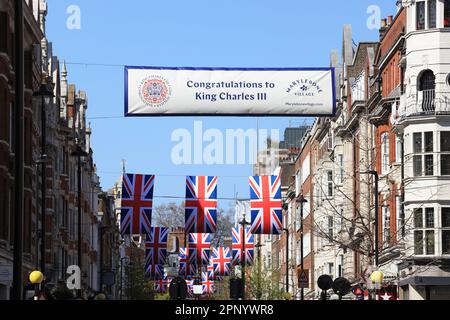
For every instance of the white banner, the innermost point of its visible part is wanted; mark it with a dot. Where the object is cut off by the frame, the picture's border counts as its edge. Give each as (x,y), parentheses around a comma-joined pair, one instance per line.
(151,91)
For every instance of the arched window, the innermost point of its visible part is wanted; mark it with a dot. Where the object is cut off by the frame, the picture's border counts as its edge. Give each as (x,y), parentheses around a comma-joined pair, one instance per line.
(427,87)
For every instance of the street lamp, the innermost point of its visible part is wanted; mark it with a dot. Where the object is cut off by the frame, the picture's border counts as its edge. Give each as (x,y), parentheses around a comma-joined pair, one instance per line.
(287,259)
(45,95)
(377,279)
(36,278)
(301,200)
(79,153)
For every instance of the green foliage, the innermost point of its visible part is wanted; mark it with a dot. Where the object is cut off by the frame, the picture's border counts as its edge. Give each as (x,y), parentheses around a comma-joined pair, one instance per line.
(137,287)
(162,297)
(265,284)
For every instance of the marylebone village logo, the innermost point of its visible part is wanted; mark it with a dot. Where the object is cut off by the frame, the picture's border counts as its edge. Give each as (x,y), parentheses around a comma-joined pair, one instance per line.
(304,88)
(155,91)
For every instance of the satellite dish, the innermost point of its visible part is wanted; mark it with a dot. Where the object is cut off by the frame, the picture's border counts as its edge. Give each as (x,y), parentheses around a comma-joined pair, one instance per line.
(342,287)
(325,282)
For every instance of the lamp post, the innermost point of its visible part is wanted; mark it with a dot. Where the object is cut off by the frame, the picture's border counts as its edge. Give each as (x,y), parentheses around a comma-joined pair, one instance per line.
(244,223)
(301,200)
(121,276)
(45,95)
(287,259)
(79,153)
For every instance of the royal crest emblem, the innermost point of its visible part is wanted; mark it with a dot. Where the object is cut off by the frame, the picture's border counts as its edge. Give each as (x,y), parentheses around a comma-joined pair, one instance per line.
(155,91)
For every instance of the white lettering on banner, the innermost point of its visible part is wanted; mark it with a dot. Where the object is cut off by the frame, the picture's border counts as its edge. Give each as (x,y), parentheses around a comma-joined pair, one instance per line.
(151,91)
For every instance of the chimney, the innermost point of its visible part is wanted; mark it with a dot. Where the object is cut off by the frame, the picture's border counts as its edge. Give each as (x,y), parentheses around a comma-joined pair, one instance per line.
(389,20)
(383,28)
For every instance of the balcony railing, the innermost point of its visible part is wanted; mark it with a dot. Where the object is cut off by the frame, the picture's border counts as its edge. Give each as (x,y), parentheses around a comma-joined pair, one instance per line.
(427,102)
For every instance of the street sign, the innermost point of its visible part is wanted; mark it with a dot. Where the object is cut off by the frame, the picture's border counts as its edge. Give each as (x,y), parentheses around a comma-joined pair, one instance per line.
(303,279)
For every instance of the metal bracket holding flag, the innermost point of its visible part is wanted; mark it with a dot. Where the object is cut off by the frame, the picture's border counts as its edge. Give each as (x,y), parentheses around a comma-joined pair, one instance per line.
(168,91)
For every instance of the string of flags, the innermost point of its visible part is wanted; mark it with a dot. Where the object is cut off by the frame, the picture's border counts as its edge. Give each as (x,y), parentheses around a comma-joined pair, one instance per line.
(200,224)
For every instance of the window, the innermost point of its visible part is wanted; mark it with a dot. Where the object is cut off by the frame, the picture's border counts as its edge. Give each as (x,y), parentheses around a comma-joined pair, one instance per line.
(429,142)
(330,229)
(417,164)
(446,233)
(429,165)
(420,15)
(385,153)
(431,14)
(418,142)
(341,168)
(341,266)
(427,86)
(418,218)
(447,14)
(445,141)
(429,217)
(398,149)
(424,238)
(330,269)
(330,185)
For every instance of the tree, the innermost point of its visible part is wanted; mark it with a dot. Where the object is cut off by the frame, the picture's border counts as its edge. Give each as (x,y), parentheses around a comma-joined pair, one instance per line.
(137,286)
(265,285)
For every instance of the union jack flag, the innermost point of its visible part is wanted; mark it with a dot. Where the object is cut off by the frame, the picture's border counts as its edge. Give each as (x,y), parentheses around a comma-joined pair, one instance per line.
(221,260)
(210,269)
(236,234)
(154,271)
(190,287)
(137,202)
(156,246)
(265,204)
(187,270)
(199,248)
(208,286)
(162,285)
(201,204)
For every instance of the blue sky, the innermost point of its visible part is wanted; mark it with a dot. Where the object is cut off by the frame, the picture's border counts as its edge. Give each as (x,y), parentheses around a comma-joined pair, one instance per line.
(195,33)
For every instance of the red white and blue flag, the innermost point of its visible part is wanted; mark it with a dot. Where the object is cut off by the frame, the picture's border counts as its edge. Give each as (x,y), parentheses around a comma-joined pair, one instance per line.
(266,205)
(201,204)
(187,270)
(156,249)
(221,259)
(208,287)
(154,271)
(137,203)
(162,285)
(210,269)
(237,235)
(199,248)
